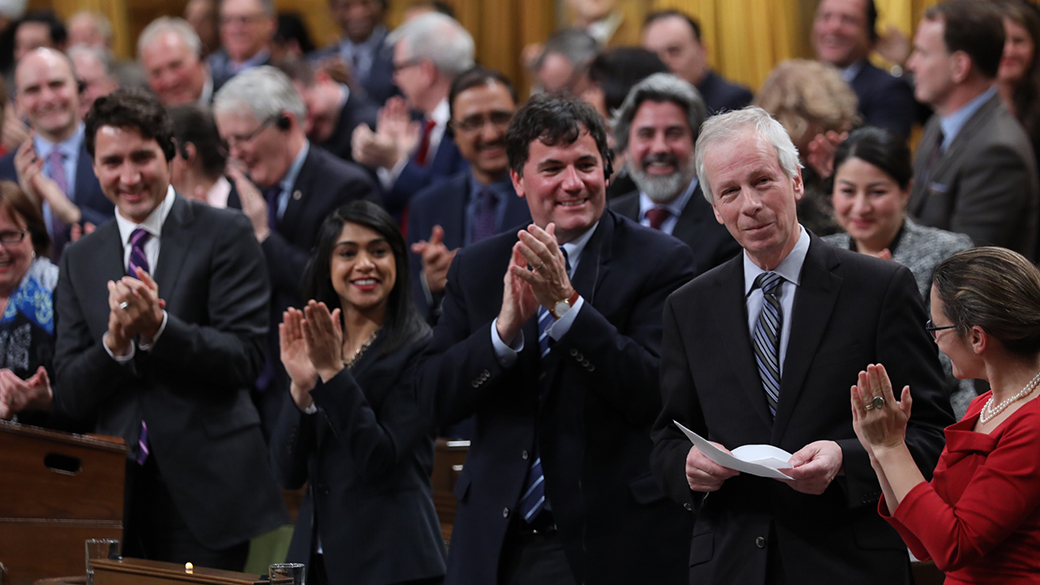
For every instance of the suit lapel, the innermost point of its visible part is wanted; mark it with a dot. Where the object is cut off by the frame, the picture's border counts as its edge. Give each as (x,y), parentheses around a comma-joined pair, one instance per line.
(813,304)
(174,247)
(731,322)
(696,212)
(455,223)
(300,190)
(976,123)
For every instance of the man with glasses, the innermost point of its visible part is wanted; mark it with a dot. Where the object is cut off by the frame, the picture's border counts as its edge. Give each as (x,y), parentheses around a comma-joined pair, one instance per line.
(246,29)
(292,186)
(364,46)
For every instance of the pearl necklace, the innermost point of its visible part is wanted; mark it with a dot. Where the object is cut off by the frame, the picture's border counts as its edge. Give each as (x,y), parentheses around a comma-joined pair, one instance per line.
(989,411)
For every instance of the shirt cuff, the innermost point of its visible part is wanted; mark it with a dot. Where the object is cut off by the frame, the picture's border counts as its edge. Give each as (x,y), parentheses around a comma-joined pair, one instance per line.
(147,346)
(506,354)
(560,328)
(312,409)
(120,359)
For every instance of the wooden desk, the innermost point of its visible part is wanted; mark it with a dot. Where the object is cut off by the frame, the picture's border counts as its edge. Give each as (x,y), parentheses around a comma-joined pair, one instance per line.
(448,458)
(141,572)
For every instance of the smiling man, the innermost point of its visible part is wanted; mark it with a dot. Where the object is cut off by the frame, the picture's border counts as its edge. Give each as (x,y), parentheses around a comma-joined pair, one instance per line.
(169,284)
(759,351)
(549,338)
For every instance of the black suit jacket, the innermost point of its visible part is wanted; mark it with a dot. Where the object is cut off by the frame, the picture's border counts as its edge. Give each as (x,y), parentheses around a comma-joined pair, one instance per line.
(444,204)
(356,110)
(379,85)
(367,455)
(588,418)
(192,388)
(696,227)
(722,96)
(447,161)
(885,101)
(849,311)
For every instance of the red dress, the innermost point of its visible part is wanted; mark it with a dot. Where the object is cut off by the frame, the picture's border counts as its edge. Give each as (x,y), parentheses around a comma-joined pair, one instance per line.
(979,518)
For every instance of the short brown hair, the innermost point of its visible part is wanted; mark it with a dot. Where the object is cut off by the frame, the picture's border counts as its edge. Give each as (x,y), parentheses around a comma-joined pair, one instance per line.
(17,204)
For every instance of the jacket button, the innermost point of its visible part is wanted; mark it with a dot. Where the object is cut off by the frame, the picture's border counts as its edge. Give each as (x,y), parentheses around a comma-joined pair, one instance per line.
(474,383)
(585,363)
(505,512)
(760,542)
(688,507)
(487,374)
(592,367)
(525,455)
(574,352)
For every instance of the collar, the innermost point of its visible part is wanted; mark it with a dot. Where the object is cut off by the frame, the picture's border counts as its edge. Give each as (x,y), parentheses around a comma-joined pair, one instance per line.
(501,188)
(441,114)
(603,29)
(576,246)
(344,95)
(151,224)
(790,268)
(952,124)
(849,73)
(257,59)
(370,44)
(206,97)
(69,147)
(675,206)
(289,179)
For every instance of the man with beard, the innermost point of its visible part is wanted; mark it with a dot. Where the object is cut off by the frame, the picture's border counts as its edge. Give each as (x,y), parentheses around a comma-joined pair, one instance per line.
(656,127)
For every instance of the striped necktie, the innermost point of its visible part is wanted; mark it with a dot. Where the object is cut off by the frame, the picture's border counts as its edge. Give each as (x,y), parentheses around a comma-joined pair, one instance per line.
(767,336)
(138,259)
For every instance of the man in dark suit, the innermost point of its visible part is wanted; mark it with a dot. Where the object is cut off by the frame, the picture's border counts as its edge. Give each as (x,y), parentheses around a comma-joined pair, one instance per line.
(166,363)
(563,382)
(430,51)
(656,127)
(975,172)
(333,111)
(844,33)
(246,30)
(46,93)
(676,38)
(472,205)
(292,187)
(762,350)
(364,48)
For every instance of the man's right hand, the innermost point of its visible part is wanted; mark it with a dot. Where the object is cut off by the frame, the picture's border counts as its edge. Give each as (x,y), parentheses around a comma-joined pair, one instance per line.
(518,302)
(436,259)
(703,474)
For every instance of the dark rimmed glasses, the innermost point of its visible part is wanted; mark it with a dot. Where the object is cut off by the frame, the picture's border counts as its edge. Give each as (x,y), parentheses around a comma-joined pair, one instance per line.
(12,237)
(934,330)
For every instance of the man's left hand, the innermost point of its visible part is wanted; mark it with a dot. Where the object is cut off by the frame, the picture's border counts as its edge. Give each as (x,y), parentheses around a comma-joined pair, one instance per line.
(549,280)
(815,466)
(254,206)
(143,311)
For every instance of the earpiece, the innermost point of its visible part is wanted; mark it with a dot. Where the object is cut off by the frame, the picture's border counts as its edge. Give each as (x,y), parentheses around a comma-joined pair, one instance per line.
(283,123)
(608,165)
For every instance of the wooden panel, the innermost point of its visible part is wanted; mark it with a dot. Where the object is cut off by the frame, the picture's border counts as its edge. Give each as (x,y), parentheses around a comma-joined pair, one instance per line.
(32,550)
(143,572)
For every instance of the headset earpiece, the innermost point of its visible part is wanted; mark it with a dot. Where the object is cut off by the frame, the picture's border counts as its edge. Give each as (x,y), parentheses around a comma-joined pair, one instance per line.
(283,122)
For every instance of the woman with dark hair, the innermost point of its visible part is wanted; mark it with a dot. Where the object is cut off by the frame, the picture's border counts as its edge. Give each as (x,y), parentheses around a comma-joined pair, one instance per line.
(979,517)
(872,180)
(1018,78)
(354,430)
(198,168)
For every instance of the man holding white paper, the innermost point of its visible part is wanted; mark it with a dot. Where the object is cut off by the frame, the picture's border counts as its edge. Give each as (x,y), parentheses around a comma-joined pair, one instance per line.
(762,350)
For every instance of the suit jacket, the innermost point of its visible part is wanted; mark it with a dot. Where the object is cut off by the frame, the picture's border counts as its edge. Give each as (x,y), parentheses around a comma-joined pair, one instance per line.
(722,96)
(91,200)
(984,185)
(885,101)
(367,454)
(221,71)
(379,85)
(356,110)
(444,204)
(447,161)
(849,311)
(696,227)
(202,427)
(588,418)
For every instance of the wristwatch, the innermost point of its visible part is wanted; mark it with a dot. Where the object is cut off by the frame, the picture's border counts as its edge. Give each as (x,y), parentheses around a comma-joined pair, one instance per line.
(560,308)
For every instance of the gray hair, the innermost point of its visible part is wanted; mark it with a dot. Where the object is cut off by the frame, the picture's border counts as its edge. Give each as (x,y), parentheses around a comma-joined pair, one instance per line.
(265,91)
(725,127)
(266,5)
(576,45)
(177,26)
(659,87)
(99,20)
(439,38)
(101,55)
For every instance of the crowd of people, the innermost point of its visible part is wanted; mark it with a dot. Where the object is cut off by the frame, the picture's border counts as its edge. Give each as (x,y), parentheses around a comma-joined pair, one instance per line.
(265,265)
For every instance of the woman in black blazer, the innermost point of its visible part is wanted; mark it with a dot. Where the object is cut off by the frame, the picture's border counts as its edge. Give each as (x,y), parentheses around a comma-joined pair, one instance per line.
(354,430)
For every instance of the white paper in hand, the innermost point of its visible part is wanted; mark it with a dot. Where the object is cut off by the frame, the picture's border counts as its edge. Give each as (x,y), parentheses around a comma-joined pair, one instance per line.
(760,460)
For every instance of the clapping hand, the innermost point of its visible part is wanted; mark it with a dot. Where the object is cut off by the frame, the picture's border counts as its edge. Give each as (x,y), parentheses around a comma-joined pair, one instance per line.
(17,395)
(323,336)
(436,259)
(295,359)
(879,424)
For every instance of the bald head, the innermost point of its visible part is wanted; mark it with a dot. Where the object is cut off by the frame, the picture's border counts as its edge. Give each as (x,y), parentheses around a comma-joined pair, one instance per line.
(46,93)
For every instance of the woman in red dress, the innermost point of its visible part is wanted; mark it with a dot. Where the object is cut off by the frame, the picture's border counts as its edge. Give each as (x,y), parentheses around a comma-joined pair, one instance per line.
(979,518)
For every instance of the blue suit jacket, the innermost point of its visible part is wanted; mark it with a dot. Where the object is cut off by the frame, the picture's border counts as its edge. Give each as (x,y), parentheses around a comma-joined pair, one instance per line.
(447,161)
(379,86)
(722,96)
(885,101)
(588,416)
(444,204)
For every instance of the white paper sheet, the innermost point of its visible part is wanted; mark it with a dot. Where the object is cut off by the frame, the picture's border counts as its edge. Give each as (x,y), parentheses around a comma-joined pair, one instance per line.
(760,460)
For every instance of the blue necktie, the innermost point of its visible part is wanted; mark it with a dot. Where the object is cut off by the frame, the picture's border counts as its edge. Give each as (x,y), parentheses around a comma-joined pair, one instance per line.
(767,336)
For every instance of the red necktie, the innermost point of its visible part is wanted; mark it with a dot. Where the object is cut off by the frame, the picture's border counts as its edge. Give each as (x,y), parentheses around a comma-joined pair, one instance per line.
(658,215)
(424,144)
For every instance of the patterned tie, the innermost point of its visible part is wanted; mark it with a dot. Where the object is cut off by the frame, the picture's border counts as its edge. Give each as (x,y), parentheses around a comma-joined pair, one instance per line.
(138,259)
(767,336)
(423,151)
(142,444)
(484,221)
(271,196)
(935,155)
(657,216)
(58,229)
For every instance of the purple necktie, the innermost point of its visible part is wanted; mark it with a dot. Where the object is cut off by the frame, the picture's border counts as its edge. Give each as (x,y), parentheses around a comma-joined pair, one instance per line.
(137,257)
(59,231)
(484,219)
(142,444)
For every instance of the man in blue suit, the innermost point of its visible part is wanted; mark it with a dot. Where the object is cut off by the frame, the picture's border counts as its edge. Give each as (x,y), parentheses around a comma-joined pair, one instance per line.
(46,93)
(364,46)
(551,342)
(844,33)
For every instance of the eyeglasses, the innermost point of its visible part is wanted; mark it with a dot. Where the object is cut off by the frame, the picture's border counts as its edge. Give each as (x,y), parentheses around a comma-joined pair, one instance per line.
(10,238)
(241,19)
(398,67)
(498,119)
(931,328)
(232,140)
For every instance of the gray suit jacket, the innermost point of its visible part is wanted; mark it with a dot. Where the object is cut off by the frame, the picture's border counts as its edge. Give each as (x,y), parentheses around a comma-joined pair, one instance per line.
(985,185)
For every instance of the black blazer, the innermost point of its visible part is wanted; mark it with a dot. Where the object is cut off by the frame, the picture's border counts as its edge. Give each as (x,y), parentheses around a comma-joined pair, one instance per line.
(356,110)
(379,85)
(849,311)
(589,417)
(444,204)
(192,388)
(885,101)
(447,161)
(696,227)
(722,96)
(367,455)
